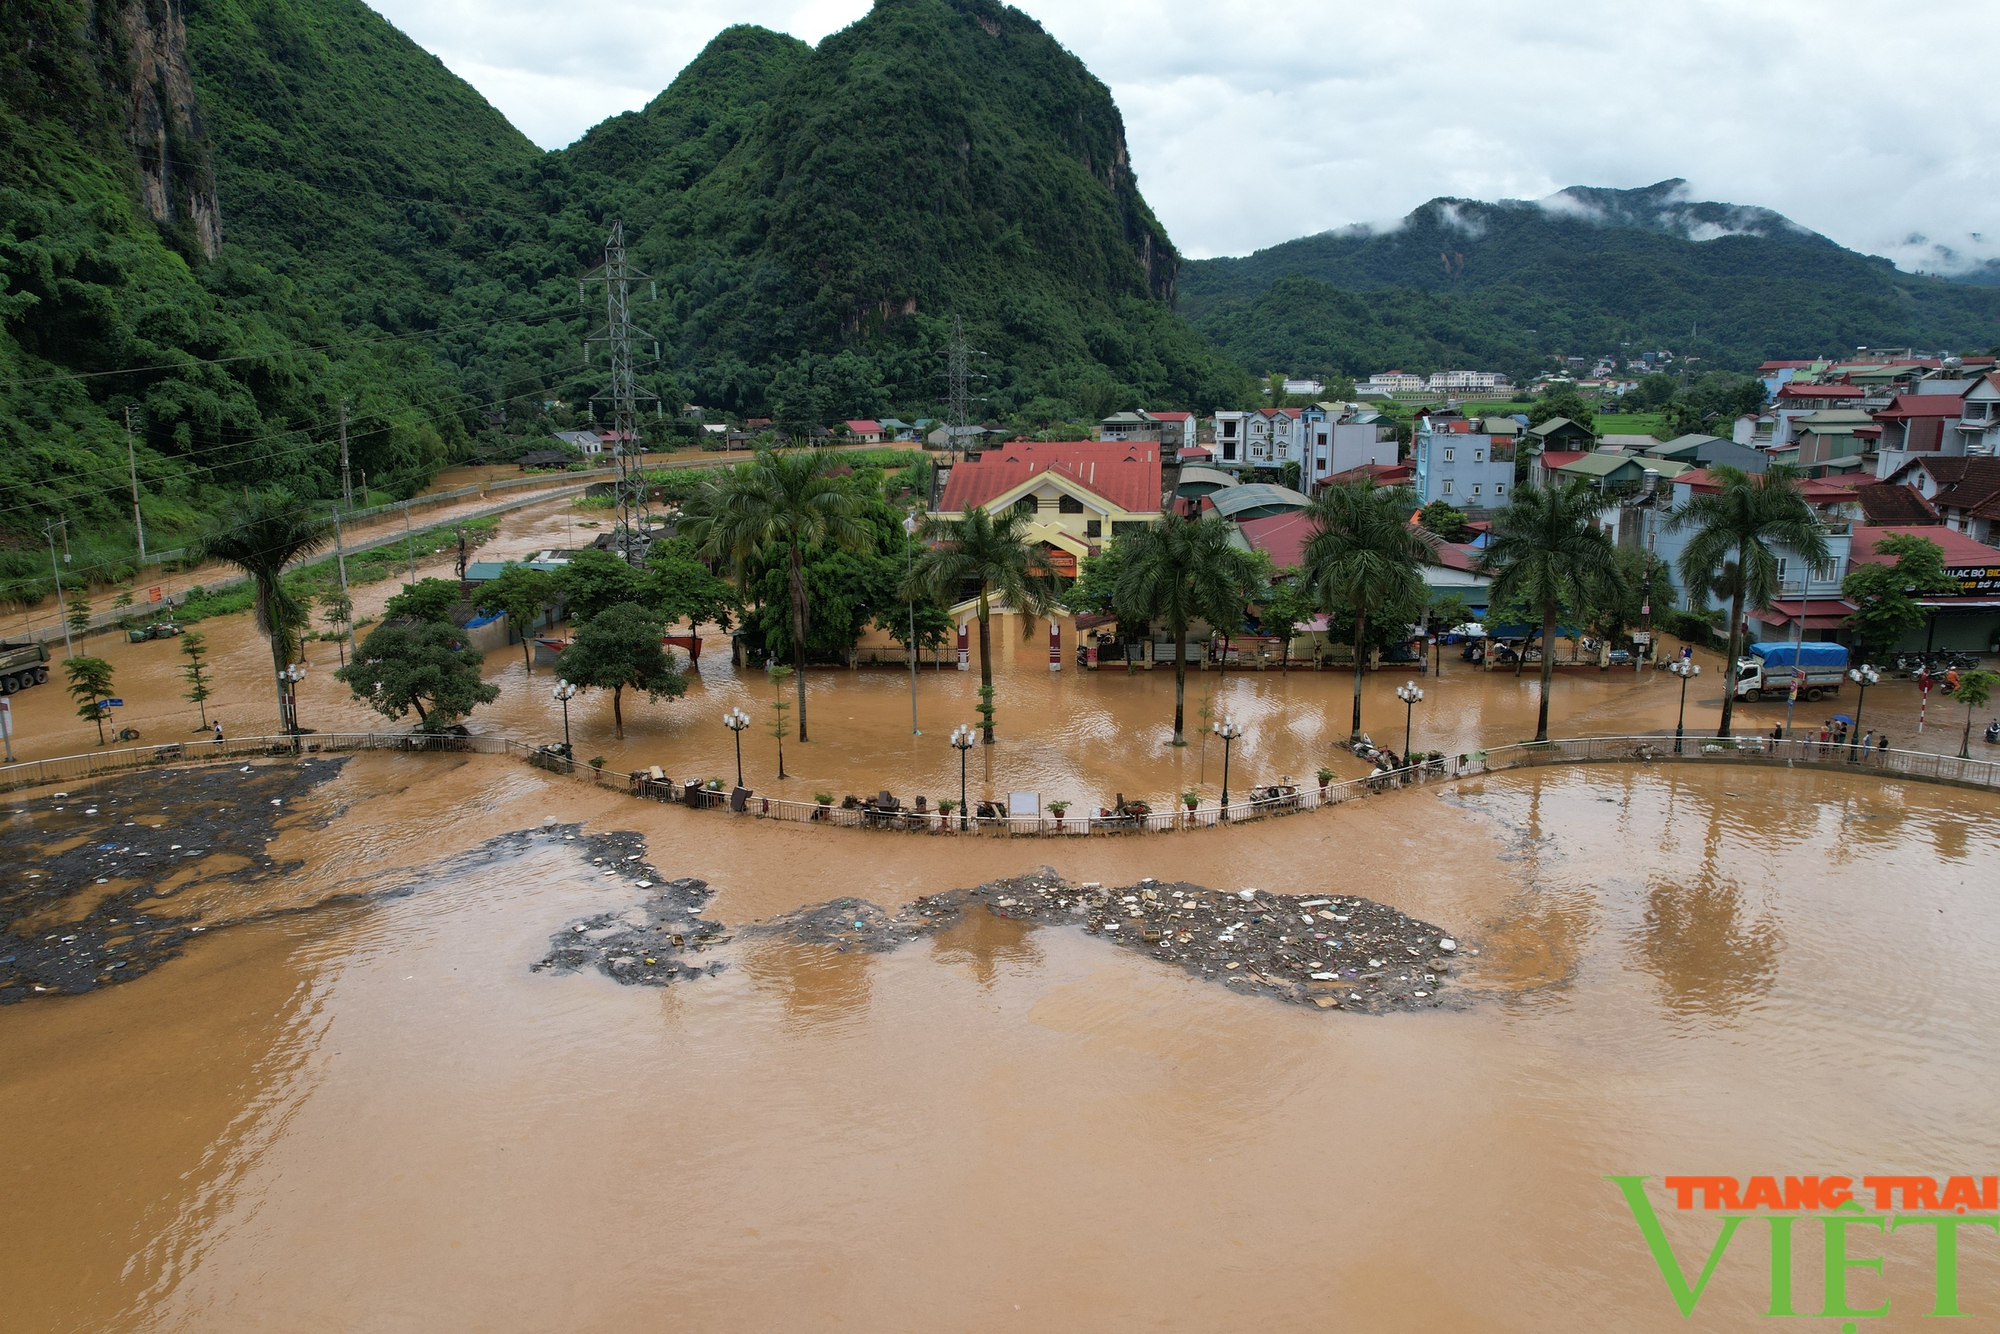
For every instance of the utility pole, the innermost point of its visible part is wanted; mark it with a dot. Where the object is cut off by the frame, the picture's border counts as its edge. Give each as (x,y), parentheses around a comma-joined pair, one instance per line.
(346,482)
(340,558)
(623,392)
(62,610)
(958,398)
(132,462)
(410,541)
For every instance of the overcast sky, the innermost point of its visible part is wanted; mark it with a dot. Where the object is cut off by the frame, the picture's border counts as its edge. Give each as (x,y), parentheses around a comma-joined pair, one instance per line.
(1256,121)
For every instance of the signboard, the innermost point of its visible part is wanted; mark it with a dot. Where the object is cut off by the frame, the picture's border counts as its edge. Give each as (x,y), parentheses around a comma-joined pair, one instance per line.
(111,703)
(1975,578)
(154,593)
(1641,636)
(6,718)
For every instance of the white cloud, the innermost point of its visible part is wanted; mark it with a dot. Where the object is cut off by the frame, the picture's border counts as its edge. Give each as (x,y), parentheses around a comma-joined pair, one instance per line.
(1256,121)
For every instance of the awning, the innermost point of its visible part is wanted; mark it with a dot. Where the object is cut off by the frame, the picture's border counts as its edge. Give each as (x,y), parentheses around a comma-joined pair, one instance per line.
(1960,604)
(1821,613)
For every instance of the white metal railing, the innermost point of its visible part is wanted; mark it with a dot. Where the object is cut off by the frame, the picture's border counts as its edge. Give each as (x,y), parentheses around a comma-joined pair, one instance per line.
(1923,766)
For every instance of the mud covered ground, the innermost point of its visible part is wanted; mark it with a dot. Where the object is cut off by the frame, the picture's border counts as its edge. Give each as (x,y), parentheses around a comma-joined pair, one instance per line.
(89,877)
(1331,951)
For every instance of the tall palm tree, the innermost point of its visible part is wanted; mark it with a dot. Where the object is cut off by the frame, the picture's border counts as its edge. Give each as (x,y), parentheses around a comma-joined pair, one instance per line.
(1362,557)
(1546,551)
(1746,518)
(789,500)
(1179,572)
(995,553)
(261,536)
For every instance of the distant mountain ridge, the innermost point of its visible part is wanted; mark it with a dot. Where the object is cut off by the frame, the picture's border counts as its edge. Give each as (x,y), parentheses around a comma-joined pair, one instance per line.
(1583,271)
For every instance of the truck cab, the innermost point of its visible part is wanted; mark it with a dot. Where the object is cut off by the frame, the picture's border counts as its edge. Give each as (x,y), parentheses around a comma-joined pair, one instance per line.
(1768,670)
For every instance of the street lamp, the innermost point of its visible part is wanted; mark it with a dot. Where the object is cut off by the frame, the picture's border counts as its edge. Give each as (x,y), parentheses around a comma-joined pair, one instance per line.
(1412,695)
(1863,676)
(288,686)
(566,691)
(736,720)
(1228,729)
(962,740)
(1684,668)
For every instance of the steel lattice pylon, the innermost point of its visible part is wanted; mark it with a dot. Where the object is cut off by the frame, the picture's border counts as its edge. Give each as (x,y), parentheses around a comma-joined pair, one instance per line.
(623,393)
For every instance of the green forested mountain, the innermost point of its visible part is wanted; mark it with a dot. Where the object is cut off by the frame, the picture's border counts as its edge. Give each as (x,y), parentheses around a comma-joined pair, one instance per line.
(1463,282)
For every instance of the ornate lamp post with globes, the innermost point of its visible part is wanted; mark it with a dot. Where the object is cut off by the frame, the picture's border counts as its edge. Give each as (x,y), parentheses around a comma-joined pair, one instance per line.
(1228,729)
(1412,695)
(963,738)
(1862,676)
(566,691)
(1685,669)
(736,720)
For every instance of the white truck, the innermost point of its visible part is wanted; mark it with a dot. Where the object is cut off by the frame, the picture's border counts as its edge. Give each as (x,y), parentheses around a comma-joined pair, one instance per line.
(1766,671)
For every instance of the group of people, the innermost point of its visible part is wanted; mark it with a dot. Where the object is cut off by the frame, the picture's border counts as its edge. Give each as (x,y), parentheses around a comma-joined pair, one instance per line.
(1834,734)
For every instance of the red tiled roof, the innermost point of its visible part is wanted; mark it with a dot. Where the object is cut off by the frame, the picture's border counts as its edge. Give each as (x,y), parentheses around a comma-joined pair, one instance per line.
(1278,412)
(1562,458)
(1921,405)
(865,428)
(1383,474)
(1890,503)
(1816,490)
(1785,366)
(1959,549)
(1457,556)
(1820,613)
(1171,416)
(1127,474)
(1282,537)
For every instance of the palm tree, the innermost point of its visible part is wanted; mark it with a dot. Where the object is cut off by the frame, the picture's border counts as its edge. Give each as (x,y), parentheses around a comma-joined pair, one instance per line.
(1736,529)
(1363,557)
(1546,550)
(788,500)
(975,547)
(1179,572)
(261,536)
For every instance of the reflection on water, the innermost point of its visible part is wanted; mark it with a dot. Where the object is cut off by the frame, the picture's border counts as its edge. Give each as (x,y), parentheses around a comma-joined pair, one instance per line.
(377,1117)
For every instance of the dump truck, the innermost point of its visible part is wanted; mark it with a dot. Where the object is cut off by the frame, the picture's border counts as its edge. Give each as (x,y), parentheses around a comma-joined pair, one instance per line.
(22,665)
(1765,671)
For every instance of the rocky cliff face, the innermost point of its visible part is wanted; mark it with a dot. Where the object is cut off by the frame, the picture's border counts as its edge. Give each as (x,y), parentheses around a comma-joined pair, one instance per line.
(162,124)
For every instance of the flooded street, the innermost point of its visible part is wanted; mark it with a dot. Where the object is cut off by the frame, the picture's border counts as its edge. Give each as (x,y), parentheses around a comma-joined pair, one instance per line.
(371,1114)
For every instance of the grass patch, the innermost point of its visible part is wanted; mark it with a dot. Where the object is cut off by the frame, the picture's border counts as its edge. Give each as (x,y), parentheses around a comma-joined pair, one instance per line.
(323,575)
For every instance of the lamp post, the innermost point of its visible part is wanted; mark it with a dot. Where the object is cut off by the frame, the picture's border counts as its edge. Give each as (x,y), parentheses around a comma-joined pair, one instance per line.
(1863,676)
(1228,729)
(1684,668)
(962,740)
(566,691)
(1412,695)
(736,720)
(288,683)
(909,564)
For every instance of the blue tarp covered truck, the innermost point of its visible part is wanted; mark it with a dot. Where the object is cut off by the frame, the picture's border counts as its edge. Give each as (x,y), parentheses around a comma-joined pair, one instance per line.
(1765,671)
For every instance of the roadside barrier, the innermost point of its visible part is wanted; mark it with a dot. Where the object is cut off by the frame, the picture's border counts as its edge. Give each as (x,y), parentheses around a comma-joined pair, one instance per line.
(1921,766)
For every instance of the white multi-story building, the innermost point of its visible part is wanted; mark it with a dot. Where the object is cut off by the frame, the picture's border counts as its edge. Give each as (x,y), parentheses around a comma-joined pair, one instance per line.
(1396,382)
(1450,381)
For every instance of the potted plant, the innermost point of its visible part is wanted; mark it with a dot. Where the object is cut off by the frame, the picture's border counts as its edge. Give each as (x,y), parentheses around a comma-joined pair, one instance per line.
(825,800)
(1325,777)
(597,761)
(1056,808)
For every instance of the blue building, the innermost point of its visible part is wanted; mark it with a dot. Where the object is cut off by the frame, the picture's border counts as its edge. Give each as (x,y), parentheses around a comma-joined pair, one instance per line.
(1460,468)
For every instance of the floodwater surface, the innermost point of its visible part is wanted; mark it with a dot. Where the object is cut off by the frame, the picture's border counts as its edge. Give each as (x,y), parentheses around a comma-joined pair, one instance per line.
(373,1115)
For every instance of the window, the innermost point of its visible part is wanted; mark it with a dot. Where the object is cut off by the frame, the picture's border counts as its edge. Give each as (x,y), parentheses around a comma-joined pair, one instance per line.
(1026,505)
(1069,505)
(1093,528)
(1499,488)
(1229,451)
(1447,486)
(1322,463)
(1322,439)
(1479,456)
(1975,412)
(1448,452)
(1475,488)
(1229,430)
(1128,527)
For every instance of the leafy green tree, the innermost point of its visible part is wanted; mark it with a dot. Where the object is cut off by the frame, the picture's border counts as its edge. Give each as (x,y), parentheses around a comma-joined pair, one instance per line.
(1288,606)
(424,667)
(933,624)
(1747,518)
(1975,691)
(1711,405)
(337,610)
(777,672)
(1562,401)
(194,647)
(594,580)
(1179,572)
(786,502)
(260,536)
(676,584)
(995,555)
(1445,520)
(90,686)
(1641,580)
(522,592)
(1362,559)
(1651,393)
(1885,595)
(1546,551)
(78,619)
(425,600)
(1448,610)
(620,647)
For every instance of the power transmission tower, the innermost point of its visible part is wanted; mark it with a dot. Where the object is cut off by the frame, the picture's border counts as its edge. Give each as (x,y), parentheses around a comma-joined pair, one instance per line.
(958,389)
(346,479)
(623,392)
(132,462)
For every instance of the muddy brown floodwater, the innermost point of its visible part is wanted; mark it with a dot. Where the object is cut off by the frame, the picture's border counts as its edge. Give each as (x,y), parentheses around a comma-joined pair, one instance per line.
(354,1102)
